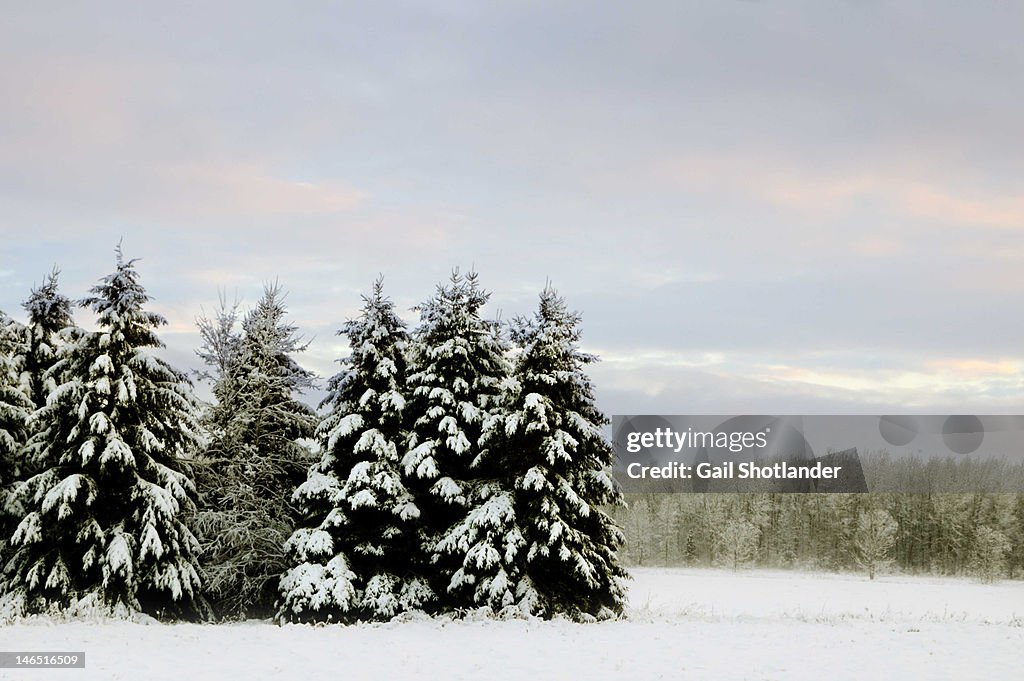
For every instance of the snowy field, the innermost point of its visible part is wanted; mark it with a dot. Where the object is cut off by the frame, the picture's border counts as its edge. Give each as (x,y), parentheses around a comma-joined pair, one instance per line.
(684,624)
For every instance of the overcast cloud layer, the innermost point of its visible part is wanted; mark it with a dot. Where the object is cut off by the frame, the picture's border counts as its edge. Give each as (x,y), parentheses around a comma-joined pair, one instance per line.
(767,207)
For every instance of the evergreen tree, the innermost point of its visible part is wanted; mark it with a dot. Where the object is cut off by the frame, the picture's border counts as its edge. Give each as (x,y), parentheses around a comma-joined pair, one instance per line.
(352,558)
(255,456)
(103,522)
(15,408)
(49,327)
(562,476)
(457,366)
(488,542)
(49,313)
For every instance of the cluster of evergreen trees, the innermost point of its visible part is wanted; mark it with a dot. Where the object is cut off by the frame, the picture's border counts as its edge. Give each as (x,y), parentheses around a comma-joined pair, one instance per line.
(458,470)
(460,465)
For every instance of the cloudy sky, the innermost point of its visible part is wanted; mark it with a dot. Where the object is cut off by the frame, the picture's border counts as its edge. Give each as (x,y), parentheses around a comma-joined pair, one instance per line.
(761,207)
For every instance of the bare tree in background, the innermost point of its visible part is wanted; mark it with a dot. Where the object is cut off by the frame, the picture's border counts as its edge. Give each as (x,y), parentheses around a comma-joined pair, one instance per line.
(737,541)
(988,556)
(873,539)
(255,455)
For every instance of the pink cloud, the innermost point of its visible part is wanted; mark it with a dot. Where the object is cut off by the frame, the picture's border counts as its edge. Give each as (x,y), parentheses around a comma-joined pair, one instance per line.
(820,194)
(971,368)
(248,189)
(1003,212)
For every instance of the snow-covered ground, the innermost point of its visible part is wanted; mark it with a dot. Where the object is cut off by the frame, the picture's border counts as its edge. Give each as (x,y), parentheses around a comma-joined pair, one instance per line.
(720,595)
(685,624)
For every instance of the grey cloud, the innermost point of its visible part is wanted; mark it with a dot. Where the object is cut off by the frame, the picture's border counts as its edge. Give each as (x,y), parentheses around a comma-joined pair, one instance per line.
(783,179)
(882,311)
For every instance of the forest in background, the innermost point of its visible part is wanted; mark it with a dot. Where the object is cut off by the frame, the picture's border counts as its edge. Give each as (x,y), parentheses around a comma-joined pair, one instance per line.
(978,535)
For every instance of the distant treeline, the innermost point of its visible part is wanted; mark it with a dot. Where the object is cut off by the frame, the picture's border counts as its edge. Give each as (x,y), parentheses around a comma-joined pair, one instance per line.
(964,517)
(950,534)
(953,474)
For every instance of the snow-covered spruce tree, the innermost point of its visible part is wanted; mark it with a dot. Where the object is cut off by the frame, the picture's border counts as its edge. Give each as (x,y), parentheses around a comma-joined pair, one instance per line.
(457,369)
(488,540)
(352,558)
(50,326)
(49,314)
(255,454)
(103,524)
(15,408)
(562,471)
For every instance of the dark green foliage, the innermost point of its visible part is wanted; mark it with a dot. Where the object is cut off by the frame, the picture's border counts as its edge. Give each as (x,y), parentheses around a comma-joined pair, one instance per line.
(457,366)
(354,556)
(559,471)
(102,524)
(49,313)
(15,409)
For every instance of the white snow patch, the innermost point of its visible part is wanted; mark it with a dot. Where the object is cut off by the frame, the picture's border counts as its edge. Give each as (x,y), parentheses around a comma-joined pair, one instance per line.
(699,624)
